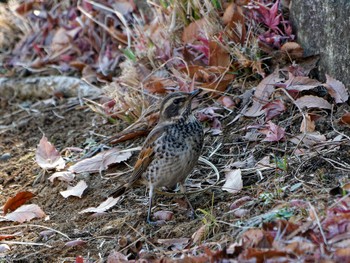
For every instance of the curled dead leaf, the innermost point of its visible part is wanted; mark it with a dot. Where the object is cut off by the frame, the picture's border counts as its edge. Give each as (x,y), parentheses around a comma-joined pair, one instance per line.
(19,199)
(104,206)
(76,190)
(47,157)
(345,119)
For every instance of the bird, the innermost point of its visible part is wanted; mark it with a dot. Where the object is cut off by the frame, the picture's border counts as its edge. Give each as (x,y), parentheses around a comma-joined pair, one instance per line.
(171,149)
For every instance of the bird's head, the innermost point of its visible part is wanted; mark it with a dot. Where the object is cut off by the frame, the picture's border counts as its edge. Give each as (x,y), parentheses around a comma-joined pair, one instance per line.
(177,105)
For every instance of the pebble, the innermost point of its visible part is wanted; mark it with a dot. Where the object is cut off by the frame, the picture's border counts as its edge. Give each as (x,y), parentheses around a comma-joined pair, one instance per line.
(5,157)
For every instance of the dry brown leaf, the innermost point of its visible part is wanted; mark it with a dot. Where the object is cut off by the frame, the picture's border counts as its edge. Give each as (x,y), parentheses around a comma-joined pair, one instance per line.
(200,234)
(100,161)
(293,49)
(193,31)
(104,206)
(60,40)
(233,183)
(310,101)
(75,190)
(214,78)
(25,213)
(337,90)
(47,157)
(345,119)
(62,176)
(262,94)
(309,139)
(174,243)
(218,56)
(301,83)
(234,21)
(19,199)
(307,125)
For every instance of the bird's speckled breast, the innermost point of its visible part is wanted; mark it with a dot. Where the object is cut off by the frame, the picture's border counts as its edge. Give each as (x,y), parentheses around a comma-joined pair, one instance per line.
(177,152)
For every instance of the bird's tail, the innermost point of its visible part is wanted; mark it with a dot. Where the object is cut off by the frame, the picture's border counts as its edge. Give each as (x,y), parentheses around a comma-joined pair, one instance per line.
(119,191)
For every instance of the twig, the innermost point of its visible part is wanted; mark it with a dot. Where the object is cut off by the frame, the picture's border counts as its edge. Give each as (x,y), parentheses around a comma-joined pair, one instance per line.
(31,225)
(318,223)
(24,243)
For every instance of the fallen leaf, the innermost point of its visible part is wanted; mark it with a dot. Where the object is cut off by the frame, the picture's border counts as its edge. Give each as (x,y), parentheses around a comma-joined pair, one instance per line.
(163,215)
(273,109)
(116,257)
(218,56)
(345,119)
(234,21)
(174,243)
(75,243)
(200,234)
(300,83)
(193,31)
(214,78)
(100,161)
(25,213)
(19,199)
(47,157)
(309,139)
(227,102)
(239,202)
(240,212)
(293,49)
(262,94)
(273,132)
(4,248)
(313,102)
(307,125)
(62,176)
(337,89)
(75,190)
(104,206)
(233,183)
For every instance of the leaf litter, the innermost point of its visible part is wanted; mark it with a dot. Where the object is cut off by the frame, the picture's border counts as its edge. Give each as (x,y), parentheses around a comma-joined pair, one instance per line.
(279,229)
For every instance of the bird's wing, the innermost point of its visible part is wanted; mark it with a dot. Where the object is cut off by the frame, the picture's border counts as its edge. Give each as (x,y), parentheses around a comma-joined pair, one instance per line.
(147,153)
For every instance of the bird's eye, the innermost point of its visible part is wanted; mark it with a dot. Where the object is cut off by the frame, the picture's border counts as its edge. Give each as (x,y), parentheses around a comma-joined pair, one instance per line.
(177,101)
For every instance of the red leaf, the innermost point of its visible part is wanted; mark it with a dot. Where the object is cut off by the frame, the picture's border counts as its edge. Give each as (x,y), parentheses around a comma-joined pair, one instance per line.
(19,199)
(345,119)
(273,109)
(273,132)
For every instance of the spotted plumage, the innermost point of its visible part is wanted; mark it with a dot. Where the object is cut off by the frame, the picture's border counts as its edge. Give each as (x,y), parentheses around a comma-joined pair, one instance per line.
(172,148)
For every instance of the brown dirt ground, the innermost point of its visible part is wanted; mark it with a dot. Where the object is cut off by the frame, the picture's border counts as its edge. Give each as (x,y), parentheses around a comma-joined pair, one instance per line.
(75,126)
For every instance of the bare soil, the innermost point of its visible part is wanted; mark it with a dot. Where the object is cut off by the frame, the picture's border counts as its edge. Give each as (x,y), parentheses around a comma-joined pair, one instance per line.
(70,125)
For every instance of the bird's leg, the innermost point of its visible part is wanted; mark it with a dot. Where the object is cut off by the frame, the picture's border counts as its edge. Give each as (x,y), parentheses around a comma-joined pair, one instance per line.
(151,190)
(183,190)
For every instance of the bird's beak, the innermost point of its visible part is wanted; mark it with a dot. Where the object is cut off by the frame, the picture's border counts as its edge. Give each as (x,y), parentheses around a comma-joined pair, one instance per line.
(195,93)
